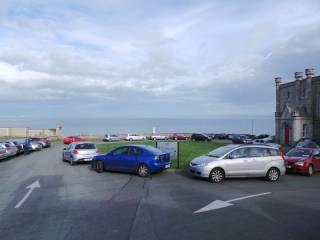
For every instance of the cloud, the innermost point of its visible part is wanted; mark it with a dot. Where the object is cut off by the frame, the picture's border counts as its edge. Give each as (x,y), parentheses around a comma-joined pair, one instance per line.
(206,53)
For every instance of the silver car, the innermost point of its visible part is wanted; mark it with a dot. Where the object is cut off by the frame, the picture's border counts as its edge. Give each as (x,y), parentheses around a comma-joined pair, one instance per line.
(79,152)
(240,161)
(111,138)
(3,153)
(35,146)
(11,149)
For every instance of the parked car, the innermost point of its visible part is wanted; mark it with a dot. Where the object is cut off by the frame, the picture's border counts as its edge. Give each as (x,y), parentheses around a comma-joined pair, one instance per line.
(179,136)
(45,142)
(240,161)
(111,138)
(34,145)
(270,139)
(140,159)
(134,137)
(158,137)
(221,136)
(200,137)
(3,153)
(211,135)
(19,145)
(11,149)
(241,139)
(308,143)
(71,139)
(303,160)
(261,136)
(79,152)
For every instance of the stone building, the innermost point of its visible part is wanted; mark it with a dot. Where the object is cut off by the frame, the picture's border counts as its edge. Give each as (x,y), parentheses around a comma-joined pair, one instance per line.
(298,107)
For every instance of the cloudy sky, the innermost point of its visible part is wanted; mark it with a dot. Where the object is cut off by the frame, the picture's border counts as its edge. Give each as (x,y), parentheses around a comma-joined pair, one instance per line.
(145,58)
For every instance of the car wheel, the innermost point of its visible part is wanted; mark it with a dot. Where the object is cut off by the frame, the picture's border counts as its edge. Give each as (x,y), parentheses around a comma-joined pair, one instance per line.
(273,175)
(310,171)
(217,175)
(99,166)
(143,170)
(63,159)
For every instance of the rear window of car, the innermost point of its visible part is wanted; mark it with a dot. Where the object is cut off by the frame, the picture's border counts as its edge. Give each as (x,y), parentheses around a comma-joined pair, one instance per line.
(85,146)
(299,153)
(154,150)
(307,143)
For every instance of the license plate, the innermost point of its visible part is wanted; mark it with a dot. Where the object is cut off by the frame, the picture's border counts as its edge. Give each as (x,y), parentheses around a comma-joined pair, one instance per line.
(167,166)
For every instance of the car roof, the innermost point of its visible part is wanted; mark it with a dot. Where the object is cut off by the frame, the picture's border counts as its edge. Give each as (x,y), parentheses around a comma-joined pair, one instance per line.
(252,145)
(82,142)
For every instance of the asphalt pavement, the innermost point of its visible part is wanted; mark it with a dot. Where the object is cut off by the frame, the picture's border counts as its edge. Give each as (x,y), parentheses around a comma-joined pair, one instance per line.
(42,197)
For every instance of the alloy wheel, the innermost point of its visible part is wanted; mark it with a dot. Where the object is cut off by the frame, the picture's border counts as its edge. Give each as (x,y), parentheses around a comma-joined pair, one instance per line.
(216,176)
(143,170)
(273,175)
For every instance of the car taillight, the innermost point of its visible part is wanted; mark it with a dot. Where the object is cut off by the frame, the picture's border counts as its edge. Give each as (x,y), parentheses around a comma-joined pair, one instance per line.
(156,158)
(281,154)
(75,151)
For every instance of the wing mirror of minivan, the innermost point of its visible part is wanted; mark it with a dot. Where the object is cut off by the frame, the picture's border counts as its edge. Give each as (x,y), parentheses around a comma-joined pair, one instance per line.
(231,157)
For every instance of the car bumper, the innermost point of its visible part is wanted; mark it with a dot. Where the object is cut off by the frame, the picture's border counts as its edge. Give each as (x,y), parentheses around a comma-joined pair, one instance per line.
(83,158)
(34,148)
(296,169)
(159,166)
(199,171)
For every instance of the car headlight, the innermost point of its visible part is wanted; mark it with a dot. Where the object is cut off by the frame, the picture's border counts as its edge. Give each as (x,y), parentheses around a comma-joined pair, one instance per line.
(299,163)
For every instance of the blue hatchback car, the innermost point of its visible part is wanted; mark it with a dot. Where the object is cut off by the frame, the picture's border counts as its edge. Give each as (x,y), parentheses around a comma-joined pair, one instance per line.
(140,159)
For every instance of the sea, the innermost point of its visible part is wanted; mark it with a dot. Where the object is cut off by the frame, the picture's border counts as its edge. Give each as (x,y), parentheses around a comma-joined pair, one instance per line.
(101,126)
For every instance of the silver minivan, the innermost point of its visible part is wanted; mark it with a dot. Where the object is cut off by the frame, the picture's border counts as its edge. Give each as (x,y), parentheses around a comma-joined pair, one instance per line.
(79,152)
(240,161)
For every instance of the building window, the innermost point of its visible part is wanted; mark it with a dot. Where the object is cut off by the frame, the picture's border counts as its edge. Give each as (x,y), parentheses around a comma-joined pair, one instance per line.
(303,92)
(305,130)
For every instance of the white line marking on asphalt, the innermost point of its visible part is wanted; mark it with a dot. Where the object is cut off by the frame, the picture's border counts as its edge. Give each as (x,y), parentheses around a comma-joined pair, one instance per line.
(31,187)
(217,204)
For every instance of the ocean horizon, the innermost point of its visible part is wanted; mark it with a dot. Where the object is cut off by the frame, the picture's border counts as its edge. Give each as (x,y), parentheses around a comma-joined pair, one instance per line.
(101,126)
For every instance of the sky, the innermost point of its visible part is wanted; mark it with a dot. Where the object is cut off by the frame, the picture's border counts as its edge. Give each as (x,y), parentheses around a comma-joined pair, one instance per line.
(147,58)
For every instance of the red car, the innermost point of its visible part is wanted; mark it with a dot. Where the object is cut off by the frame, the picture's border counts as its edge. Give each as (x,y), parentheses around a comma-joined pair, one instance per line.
(71,139)
(303,160)
(179,136)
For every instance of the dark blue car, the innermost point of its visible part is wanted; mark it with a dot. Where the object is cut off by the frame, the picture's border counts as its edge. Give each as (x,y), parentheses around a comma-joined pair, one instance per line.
(140,159)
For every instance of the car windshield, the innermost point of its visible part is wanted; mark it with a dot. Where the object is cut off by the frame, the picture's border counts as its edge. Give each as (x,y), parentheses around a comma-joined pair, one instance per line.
(221,151)
(154,150)
(85,146)
(299,153)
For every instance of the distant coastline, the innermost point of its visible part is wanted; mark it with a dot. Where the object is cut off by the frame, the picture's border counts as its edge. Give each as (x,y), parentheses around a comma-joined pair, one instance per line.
(100,126)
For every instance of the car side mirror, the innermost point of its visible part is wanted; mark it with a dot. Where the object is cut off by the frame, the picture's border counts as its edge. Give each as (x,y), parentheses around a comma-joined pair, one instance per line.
(64,149)
(231,157)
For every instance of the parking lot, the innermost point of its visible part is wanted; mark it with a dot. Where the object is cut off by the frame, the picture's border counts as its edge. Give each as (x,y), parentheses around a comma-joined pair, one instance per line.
(42,197)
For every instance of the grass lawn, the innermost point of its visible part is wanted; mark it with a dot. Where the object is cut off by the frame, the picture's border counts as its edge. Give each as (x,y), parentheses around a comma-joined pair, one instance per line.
(188,149)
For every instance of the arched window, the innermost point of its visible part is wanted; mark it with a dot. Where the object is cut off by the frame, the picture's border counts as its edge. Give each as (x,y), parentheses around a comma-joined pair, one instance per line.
(305,130)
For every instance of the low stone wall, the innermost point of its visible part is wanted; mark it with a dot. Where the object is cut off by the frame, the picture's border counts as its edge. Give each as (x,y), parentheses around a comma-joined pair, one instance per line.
(24,132)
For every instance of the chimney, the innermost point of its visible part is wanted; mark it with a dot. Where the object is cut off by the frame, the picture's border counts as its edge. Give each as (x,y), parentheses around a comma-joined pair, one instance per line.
(278,81)
(298,76)
(310,72)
